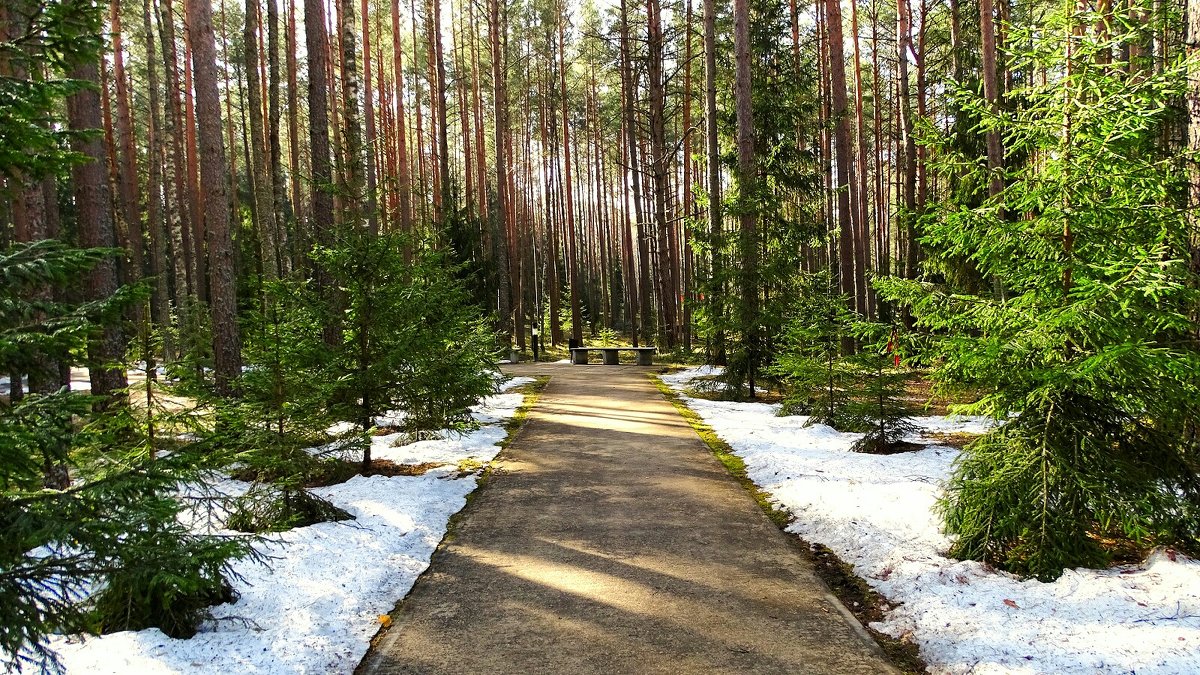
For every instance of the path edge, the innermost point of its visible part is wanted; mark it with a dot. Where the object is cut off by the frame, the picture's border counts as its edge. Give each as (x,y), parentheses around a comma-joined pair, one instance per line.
(385,637)
(901,655)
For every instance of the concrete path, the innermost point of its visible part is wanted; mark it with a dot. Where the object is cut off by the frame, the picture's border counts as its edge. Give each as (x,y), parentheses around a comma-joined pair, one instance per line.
(609,540)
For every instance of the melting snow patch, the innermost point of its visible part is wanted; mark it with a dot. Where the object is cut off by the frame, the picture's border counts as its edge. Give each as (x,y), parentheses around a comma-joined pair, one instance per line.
(313,608)
(877,513)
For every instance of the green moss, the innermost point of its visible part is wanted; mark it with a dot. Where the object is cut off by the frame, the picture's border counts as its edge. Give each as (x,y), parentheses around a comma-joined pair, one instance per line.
(532,392)
(469,465)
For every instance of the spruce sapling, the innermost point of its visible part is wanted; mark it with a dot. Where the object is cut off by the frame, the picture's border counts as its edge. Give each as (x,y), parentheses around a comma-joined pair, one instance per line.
(877,402)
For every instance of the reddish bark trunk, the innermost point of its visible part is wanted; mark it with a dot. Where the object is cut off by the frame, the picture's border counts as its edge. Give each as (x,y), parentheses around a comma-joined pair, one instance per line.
(227,355)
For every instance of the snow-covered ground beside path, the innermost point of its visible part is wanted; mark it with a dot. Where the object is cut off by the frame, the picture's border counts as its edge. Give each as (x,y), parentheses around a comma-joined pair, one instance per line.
(317,604)
(875,512)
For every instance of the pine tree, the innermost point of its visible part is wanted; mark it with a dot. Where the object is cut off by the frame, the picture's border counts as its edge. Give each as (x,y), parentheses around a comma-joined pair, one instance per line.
(809,362)
(782,196)
(268,432)
(877,406)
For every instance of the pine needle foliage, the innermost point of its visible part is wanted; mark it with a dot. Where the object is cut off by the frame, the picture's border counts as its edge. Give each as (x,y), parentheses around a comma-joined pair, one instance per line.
(809,362)
(1086,348)
(283,399)
(269,431)
(159,572)
(89,510)
(192,335)
(1044,491)
(752,294)
(33,326)
(274,508)
(45,38)
(876,405)
(861,392)
(150,466)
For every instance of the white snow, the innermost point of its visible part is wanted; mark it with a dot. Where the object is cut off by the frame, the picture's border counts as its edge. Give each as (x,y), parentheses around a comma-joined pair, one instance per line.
(454,446)
(314,607)
(876,513)
(81,381)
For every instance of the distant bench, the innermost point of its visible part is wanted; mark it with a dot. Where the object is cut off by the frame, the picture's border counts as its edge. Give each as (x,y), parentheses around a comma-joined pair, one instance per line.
(579,355)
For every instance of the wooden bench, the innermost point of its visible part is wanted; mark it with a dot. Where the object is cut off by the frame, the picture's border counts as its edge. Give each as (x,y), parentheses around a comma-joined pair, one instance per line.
(579,355)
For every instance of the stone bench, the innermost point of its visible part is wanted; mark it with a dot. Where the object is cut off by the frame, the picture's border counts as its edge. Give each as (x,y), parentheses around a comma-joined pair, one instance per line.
(579,355)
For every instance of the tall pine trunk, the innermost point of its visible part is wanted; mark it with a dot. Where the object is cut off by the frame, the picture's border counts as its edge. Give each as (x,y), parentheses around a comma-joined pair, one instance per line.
(862,251)
(658,168)
(843,157)
(403,187)
(259,170)
(155,225)
(713,160)
(443,131)
(629,88)
(686,282)
(1193,131)
(129,211)
(227,353)
(179,218)
(369,105)
(93,205)
(570,230)
(354,176)
(194,200)
(316,39)
(747,179)
(274,116)
(909,161)
(299,247)
(500,214)
(991,93)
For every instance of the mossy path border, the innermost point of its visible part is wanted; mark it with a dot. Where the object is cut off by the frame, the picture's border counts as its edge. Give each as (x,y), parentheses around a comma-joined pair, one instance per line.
(512,427)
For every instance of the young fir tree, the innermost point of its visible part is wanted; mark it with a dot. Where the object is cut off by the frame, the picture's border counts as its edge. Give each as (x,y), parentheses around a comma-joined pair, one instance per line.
(861,392)
(410,338)
(84,501)
(876,381)
(192,334)
(809,362)
(1087,350)
(92,536)
(449,362)
(280,415)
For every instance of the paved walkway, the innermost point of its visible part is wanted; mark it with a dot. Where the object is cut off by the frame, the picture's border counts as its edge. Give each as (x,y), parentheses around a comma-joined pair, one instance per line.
(609,540)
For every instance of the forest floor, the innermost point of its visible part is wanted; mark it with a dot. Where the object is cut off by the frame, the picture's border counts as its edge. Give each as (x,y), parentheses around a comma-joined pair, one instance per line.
(877,513)
(608,539)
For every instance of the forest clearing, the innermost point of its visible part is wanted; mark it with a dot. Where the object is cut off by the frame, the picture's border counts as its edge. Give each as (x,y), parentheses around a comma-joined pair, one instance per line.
(261,262)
